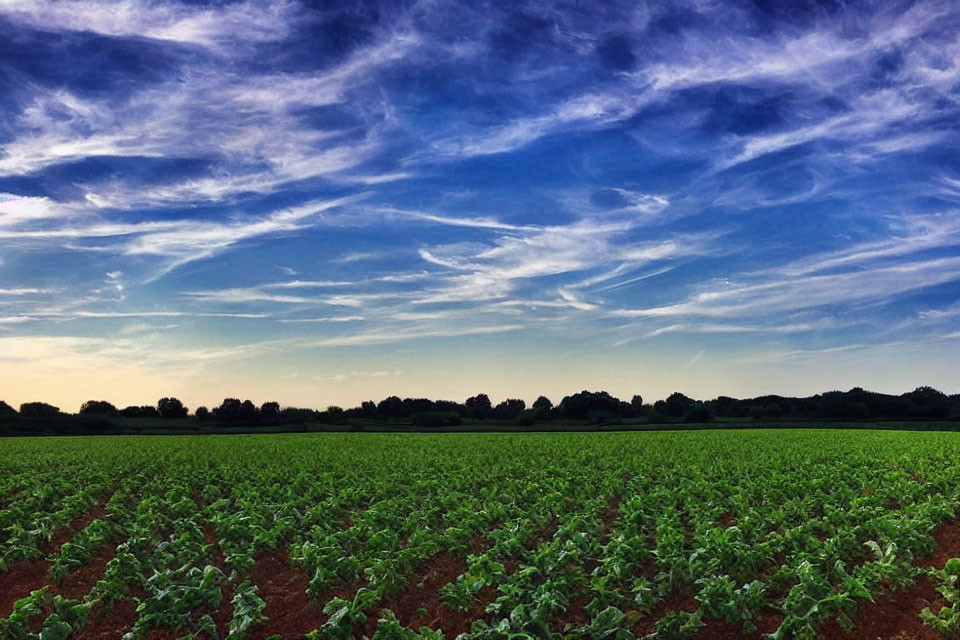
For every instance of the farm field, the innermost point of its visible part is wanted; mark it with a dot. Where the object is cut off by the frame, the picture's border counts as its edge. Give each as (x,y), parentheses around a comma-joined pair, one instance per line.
(789,534)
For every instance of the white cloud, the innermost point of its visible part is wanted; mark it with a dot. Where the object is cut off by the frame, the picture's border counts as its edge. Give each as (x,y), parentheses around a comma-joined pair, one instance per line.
(22,291)
(406,335)
(909,234)
(218,26)
(15,209)
(787,294)
(183,241)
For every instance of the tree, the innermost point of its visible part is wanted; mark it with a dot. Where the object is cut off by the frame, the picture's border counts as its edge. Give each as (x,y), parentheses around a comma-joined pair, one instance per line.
(228,412)
(202,413)
(540,409)
(595,403)
(637,403)
(248,412)
(697,412)
(774,410)
(417,405)
(98,408)
(929,402)
(368,409)
(171,408)
(6,411)
(270,411)
(510,409)
(38,410)
(293,415)
(428,420)
(675,405)
(146,411)
(390,407)
(479,405)
(527,418)
(334,414)
(542,404)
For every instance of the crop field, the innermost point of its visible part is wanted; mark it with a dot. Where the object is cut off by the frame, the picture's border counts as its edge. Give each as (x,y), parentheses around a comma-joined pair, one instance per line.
(798,534)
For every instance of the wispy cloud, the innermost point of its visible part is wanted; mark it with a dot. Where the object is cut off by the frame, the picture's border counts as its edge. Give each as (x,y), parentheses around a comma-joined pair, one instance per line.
(807,292)
(217,26)
(773,179)
(909,235)
(184,241)
(406,335)
(22,291)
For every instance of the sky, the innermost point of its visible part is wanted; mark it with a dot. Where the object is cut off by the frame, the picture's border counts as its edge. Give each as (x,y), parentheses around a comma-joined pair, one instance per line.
(324,203)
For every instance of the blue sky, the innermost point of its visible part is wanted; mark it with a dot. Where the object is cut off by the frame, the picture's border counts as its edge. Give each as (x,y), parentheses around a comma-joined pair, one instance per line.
(321,203)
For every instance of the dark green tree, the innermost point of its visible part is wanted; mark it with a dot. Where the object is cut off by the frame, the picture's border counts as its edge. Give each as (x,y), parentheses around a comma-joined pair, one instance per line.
(171,408)
(98,408)
(228,412)
(38,410)
(6,411)
(270,411)
(479,406)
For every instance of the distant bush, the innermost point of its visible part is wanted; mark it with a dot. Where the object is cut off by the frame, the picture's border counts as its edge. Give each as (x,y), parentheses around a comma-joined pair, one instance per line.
(38,410)
(697,412)
(655,417)
(428,420)
(333,415)
(6,411)
(145,411)
(435,419)
(479,406)
(269,412)
(676,405)
(98,408)
(509,409)
(293,415)
(596,405)
(171,408)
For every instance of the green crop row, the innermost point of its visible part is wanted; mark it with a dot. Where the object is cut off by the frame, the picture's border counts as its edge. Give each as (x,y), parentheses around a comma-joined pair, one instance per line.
(555,536)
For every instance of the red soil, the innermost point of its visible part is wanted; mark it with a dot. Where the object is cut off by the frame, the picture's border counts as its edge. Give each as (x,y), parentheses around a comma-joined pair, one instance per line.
(479,545)
(726,520)
(109,625)
(768,621)
(947,537)
(511,565)
(165,634)
(677,602)
(22,579)
(895,615)
(25,577)
(440,570)
(575,614)
(891,615)
(289,610)
(544,535)
(79,583)
(723,630)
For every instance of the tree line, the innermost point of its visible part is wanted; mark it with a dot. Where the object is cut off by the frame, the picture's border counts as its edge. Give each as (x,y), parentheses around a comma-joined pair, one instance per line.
(923,403)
